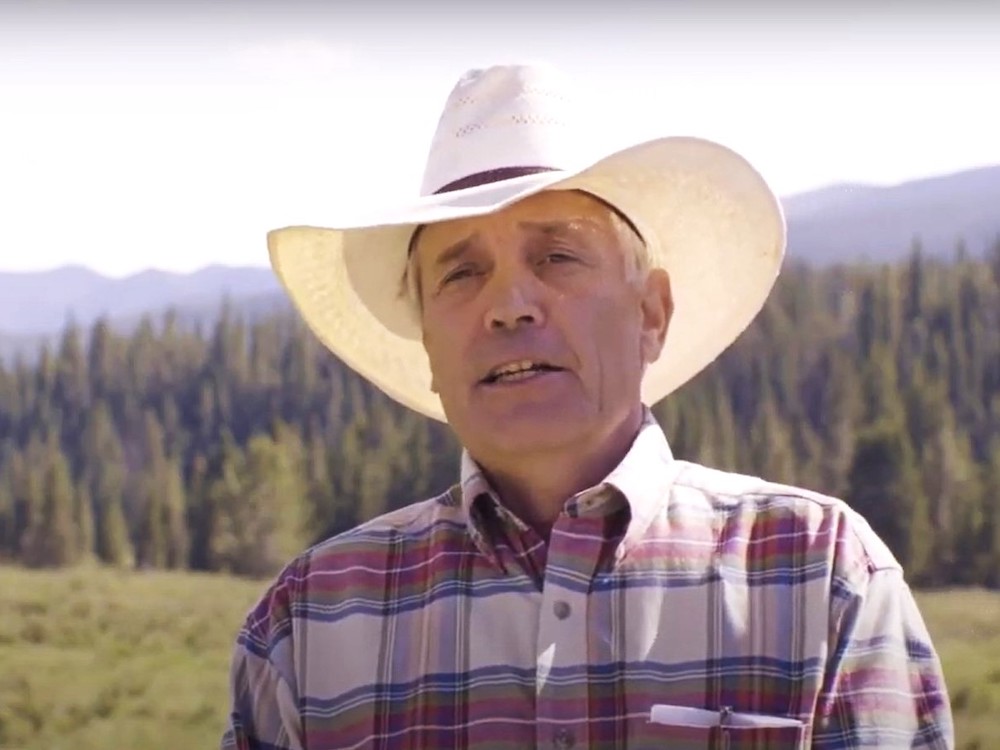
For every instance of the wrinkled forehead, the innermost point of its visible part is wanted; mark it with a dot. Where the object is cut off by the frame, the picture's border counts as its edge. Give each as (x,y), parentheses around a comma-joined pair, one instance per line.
(548,210)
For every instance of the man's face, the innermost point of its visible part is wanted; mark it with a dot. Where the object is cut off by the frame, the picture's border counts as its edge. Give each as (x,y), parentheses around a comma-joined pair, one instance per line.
(536,324)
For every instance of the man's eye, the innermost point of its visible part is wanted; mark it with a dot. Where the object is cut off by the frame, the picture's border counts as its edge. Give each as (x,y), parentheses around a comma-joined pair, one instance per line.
(557,256)
(462,272)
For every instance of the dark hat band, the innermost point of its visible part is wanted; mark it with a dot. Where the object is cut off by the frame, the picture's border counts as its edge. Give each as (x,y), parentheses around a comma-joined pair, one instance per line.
(491,175)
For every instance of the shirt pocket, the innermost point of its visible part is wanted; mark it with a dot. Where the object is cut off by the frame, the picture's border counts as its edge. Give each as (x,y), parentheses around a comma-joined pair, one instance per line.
(699,729)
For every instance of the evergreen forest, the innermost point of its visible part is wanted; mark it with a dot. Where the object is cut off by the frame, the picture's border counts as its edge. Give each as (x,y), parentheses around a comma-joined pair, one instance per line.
(232,446)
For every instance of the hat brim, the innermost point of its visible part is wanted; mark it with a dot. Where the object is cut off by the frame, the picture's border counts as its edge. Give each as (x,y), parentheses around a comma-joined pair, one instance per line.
(708,218)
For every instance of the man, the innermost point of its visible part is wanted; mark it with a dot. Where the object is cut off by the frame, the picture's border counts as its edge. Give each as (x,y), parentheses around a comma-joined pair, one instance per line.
(579,588)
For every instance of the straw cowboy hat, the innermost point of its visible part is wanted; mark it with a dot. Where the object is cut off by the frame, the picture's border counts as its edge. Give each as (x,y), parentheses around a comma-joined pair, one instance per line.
(508,132)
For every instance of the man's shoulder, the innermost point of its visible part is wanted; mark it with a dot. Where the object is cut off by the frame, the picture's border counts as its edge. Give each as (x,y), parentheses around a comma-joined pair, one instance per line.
(730,492)
(809,512)
(355,561)
(730,489)
(426,517)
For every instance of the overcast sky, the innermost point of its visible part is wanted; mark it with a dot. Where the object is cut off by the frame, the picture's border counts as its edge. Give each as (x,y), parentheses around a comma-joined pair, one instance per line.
(145,134)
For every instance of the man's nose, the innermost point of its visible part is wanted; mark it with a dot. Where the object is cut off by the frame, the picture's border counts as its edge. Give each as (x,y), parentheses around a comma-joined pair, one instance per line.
(514,302)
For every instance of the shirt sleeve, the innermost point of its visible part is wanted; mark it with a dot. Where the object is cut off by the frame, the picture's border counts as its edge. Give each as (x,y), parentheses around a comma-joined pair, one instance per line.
(263,713)
(884,685)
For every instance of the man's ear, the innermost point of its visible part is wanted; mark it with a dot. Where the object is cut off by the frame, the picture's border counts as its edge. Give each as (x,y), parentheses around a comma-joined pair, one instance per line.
(657,308)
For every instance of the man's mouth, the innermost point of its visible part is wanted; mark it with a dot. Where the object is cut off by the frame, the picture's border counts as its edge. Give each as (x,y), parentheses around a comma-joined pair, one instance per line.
(520,370)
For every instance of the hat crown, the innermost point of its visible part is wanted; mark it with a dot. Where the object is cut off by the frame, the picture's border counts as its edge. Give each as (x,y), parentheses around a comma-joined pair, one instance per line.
(506,119)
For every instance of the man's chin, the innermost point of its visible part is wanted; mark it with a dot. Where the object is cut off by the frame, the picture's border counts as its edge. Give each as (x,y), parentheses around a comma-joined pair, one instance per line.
(531,429)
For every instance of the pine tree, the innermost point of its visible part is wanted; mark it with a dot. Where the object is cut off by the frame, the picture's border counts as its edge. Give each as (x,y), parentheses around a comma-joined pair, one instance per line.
(201,511)
(419,475)
(141,362)
(10,408)
(884,486)
(153,483)
(174,438)
(320,490)
(880,387)
(25,469)
(771,449)
(725,438)
(837,412)
(915,302)
(262,512)
(104,359)
(8,538)
(114,544)
(71,388)
(989,503)
(52,540)
(177,541)
(83,521)
(103,477)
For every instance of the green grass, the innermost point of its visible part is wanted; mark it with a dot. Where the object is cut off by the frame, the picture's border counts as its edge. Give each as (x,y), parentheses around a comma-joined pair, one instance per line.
(93,658)
(102,659)
(965,626)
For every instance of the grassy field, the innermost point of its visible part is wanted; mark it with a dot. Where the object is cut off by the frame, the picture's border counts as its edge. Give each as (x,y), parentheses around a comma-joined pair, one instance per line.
(120,661)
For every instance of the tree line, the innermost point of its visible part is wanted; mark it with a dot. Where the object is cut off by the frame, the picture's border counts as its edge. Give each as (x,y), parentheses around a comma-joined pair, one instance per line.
(231,448)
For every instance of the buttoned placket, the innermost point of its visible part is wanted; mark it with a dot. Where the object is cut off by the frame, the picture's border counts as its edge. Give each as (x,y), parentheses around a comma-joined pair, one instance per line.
(562,570)
(562,709)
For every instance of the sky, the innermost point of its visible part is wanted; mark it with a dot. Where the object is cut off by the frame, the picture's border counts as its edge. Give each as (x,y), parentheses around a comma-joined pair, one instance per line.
(173,136)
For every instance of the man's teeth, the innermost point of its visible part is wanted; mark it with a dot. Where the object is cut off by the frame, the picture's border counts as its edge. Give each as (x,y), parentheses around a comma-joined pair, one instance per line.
(518,370)
(515,367)
(518,375)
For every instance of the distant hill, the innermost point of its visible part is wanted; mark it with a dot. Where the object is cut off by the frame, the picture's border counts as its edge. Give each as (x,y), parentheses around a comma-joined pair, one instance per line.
(33,303)
(851,222)
(838,223)
(35,307)
(203,312)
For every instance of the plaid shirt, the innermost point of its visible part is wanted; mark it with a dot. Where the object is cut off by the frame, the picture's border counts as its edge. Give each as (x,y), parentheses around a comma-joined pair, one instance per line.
(451,624)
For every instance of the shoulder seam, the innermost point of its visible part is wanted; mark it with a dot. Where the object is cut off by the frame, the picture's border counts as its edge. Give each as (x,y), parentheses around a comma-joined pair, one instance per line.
(782,491)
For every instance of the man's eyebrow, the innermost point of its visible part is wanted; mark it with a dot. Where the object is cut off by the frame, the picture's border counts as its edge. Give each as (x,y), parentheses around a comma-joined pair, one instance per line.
(457,250)
(453,252)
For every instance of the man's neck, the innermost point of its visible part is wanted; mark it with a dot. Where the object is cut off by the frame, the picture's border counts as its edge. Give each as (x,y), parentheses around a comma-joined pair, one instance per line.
(536,487)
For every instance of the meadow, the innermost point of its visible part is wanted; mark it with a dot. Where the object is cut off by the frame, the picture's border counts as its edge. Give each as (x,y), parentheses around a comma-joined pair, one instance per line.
(96,658)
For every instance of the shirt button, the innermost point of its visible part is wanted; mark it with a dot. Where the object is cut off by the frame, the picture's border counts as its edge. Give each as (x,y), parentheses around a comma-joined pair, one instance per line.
(563,739)
(561,609)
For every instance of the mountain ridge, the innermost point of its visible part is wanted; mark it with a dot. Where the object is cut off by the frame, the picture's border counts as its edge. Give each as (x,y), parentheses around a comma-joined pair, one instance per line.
(838,223)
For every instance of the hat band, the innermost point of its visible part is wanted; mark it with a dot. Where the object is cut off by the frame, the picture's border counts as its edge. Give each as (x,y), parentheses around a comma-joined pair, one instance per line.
(509,173)
(491,175)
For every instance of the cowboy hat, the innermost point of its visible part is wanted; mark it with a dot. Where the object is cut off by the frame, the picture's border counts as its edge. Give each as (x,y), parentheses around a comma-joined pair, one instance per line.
(508,132)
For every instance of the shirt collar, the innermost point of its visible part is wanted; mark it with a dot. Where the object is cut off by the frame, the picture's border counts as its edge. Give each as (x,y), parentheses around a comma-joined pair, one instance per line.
(644,477)
(482,509)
